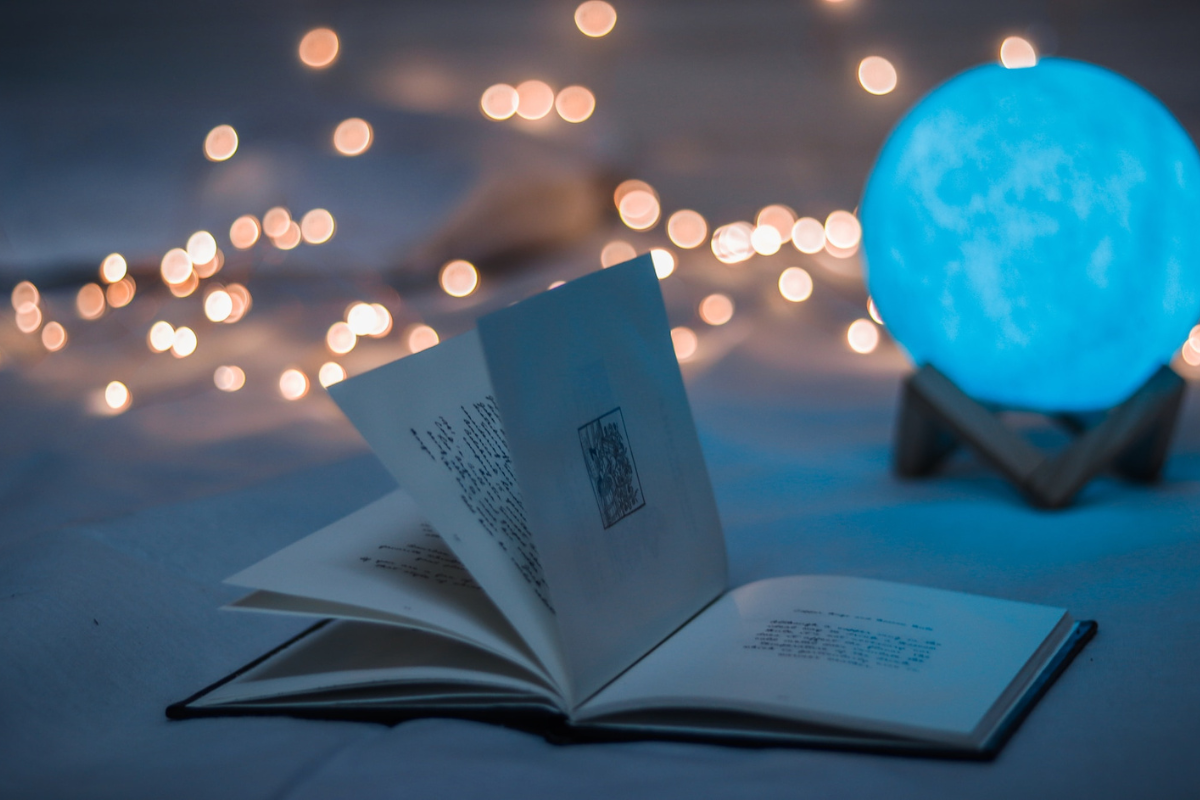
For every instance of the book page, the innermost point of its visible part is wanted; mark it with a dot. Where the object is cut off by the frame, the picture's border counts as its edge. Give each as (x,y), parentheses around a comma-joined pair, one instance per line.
(616,492)
(864,654)
(431,419)
(384,558)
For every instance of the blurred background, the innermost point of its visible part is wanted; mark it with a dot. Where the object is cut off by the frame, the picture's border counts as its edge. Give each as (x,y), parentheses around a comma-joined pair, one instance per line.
(208,211)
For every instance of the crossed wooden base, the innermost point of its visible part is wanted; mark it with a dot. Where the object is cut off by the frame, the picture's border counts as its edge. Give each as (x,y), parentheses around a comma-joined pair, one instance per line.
(1132,438)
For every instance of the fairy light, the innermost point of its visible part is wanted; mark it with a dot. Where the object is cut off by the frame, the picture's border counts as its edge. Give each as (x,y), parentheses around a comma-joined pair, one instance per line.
(631,185)
(616,252)
(664,262)
(317,226)
(595,18)
(873,311)
(89,301)
(732,244)
(210,267)
(685,342)
(716,309)
(575,103)
(241,302)
(54,337)
(117,396)
(161,336)
(221,143)
(1017,53)
(29,318)
(275,222)
(795,284)
(534,99)
(781,218)
(24,296)
(185,342)
(319,48)
(330,373)
(176,266)
(293,384)
(229,378)
(687,229)
(218,305)
(353,136)
(639,210)
(765,240)
(113,268)
(340,338)
(877,75)
(808,235)
(499,101)
(121,293)
(842,230)
(201,247)
(459,278)
(185,289)
(421,337)
(862,336)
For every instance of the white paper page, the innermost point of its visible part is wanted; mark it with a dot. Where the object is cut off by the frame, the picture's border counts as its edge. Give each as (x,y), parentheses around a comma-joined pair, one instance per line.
(431,419)
(353,654)
(387,557)
(879,657)
(605,449)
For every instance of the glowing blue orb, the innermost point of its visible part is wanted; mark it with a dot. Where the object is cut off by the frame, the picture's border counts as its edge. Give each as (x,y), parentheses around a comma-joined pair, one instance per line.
(1035,234)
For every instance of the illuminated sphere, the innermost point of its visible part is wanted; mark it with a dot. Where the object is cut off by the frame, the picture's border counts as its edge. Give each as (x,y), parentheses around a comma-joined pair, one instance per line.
(1035,235)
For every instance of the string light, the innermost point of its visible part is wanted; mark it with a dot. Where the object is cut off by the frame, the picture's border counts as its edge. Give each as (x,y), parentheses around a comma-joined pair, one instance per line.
(595,18)
(664,262)
(221,143)
(161,336)
(290,238)
(877,75)
(781,218)
(340,338)
(25,296)
(121,293)
(89,301)
(575,103)
(716,309)
(275,222)
(229,378)
(201,247)
(185,342)
(862,336)
(639,210)
(29,319)
(117,396)
(330,373)
(843,230)
(176,266)
(616,252)
(317,226)
(1017,53)
(765,240)
(459,278)
(218,305)
(113,268)
(808,235)
(687,229)
(293,384)
(732,244)
(54,337)
(534,99)
(241,302)
(210,267)
(352,137)
(685,342)
(421,337)
(319,48)
(795,284)
(244,231)
(189,285)
(499,101)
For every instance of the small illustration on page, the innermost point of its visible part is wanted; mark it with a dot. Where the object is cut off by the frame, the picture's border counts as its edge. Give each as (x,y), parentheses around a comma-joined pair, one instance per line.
(610,467)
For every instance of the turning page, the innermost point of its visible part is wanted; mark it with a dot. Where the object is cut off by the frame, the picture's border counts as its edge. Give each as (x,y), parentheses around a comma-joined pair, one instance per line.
(616,492)
(431,418)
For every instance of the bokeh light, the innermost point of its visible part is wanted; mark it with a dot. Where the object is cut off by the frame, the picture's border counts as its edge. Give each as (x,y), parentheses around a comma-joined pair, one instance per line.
(117,396)
(575,103)
(534,99)
(113,268)
(421,337)
(293,384)
(210,267)
(241,302)
(639,210)
(189,285)
(244,231)
(1189,354)
(781,218)
(229,378)
(121,293)
(716,309)
(221,143)
(185,342)
(664,262)
(1017,53)
(732,244)
(290,237)
(29,318)
(843,230)
(201,247)
(685,342)
(362,319)
(687,229)
(877,75)
(459,278)
(808,235)
(383,321)
(317,226)
(352,137)
(176,266)
(319,48)
(795,284)
(556,284)
(616,252)
(765,240)
(873,311)
(862,336)
(218,305)
(89,301)
(25,296)
(161,336)
(340,338)
(330,373)
(275,222)
(54,336)
(499,101)
(595,18)
(631,185)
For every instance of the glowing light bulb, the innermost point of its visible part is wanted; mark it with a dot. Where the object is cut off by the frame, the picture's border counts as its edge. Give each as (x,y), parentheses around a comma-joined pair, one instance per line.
(340,338)
(459,278)
(534,99)
(218,305)
(201,247)
(616,252)
(765,240)
(499,101)
(685,342)
(117,396)
(185,342)
(89,302)
(54,337)
(275,222)
(244,231)
(716,309)
(575,103)
(319,48)
(352,136)
(639,210)
(113,268)
(221,143)
(293,384)
(595,18)
(317,226)
(877,75)
(229,378)
(808,235)
(161,336)
(664,262)
(176,266)
(687,229)
(1017,53)
(842,229)
(862,336)
(795,284)
(330,373)
(421,337)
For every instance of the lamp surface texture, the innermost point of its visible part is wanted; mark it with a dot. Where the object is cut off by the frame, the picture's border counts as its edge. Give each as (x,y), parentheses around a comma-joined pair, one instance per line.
(1035,235)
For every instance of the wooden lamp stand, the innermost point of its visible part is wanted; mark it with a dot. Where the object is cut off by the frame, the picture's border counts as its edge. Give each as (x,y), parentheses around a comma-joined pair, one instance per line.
(1132,438)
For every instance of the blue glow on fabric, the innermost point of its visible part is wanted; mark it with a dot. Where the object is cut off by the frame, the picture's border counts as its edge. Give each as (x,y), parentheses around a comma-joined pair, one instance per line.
(1035,234)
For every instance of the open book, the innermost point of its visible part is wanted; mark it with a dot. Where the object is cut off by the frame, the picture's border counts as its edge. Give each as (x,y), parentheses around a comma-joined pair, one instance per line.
(553,560)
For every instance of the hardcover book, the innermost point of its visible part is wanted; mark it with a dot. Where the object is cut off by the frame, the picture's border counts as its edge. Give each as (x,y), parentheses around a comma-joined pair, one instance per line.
(553,560)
